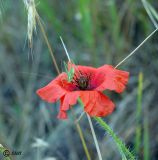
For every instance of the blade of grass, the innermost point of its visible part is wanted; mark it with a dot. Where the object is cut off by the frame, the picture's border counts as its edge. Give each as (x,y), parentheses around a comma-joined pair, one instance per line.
(93,133)
(94,137)
(139,113)
(115,19)
(84,8)
(88,24)
(81,136)
(67,54)
(83,141)
(134,51)
(146,138)
(151,12)
(79,130)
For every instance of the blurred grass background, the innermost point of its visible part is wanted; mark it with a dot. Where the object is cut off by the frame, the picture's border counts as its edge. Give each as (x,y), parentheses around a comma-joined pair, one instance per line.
(95,33)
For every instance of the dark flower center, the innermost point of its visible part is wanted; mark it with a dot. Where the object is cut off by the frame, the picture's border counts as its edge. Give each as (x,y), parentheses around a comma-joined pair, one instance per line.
(81,81)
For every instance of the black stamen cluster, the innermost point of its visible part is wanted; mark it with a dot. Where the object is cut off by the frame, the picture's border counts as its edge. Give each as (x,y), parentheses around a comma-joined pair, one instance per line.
(81,81)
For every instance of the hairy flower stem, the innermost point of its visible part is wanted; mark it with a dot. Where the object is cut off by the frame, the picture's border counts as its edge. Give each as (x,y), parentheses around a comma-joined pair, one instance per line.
(94,137)
(122,148)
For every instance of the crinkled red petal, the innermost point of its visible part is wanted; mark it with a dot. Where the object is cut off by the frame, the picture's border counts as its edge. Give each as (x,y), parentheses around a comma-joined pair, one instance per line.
(96,103)
(114,79)
(62,115)
(68,100)
(53,91)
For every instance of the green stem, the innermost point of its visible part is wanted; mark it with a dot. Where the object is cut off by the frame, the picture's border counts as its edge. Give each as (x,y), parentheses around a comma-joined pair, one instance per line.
(83,141)
(122,148)
(139,114)
(79,130)
(146,139)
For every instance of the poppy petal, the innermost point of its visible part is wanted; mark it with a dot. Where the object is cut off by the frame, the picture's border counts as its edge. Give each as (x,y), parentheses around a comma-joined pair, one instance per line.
(114,79)
(62,114)
(96,104)
(69,99)
(82,69)
(53,91)
(66,101)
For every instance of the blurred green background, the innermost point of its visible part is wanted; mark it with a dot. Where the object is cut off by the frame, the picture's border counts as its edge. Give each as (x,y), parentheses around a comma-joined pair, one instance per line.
(95,33)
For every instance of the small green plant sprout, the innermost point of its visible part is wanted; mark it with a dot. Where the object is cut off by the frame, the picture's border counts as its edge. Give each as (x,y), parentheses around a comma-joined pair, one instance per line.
(70,73)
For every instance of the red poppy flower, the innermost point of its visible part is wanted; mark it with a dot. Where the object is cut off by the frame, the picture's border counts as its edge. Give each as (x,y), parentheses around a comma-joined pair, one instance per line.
(87,84)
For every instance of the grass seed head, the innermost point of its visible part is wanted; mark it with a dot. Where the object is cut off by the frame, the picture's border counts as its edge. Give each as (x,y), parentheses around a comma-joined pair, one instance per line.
(31,11)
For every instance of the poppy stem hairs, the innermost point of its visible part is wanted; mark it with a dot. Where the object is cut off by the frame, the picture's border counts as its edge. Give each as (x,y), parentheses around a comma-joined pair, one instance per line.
(125,153)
